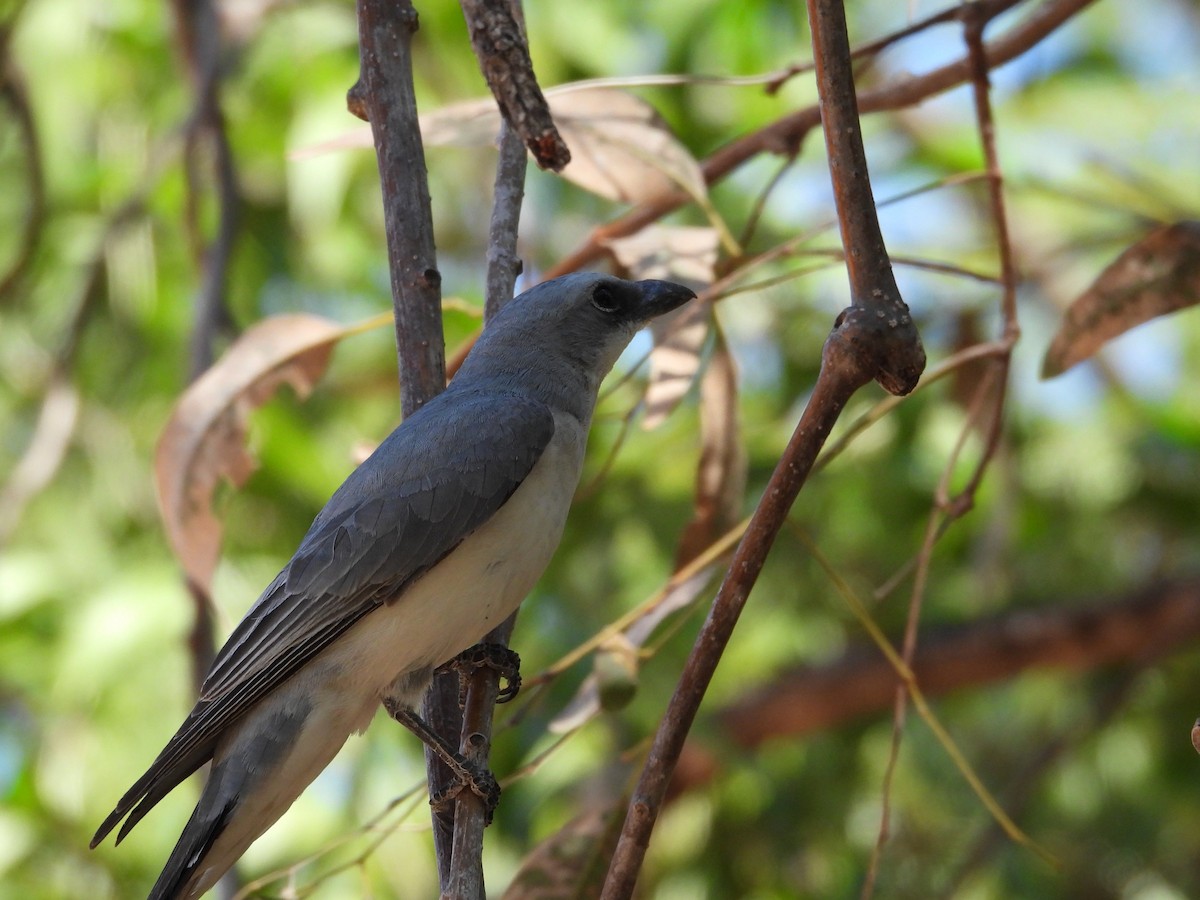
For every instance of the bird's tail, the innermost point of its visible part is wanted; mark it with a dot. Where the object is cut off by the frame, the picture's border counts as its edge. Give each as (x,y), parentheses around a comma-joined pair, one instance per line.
(257,772)
(187,872)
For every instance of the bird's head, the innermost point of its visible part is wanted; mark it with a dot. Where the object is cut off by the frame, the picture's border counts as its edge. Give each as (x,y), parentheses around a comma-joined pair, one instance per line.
(583,321)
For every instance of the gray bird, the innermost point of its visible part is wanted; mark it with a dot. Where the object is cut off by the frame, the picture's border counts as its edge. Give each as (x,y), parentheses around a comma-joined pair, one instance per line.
(430,543)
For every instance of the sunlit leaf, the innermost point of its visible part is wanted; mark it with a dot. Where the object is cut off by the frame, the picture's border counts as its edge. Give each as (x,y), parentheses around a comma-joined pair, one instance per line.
(1157,275)
(205,438)
(674,253)
(620,148)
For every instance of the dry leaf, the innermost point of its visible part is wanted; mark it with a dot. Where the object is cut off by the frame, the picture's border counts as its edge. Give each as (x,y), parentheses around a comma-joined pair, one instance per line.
(1158,275)
(620,148)
(679,337)
(676,253)
(572,862)
(721,474)
(204,440)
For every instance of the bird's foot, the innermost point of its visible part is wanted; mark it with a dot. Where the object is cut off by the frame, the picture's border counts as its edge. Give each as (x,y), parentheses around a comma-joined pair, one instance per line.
(467,774)
(502,660)
(481,782)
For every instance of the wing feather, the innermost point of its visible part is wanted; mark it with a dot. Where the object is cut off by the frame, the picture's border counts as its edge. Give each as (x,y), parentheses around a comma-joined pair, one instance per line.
(439,476)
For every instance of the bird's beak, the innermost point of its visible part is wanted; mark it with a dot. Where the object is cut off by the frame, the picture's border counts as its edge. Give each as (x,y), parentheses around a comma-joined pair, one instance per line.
(660,297)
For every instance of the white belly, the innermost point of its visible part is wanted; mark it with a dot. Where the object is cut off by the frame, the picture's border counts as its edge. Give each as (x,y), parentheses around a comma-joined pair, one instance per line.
(472,590)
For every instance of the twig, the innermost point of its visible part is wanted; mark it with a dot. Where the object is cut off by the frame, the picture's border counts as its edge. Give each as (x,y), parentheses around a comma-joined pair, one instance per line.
(993,387)
(503,53)
(47,447)
(874,48)
(873,292)
(844,369)
(873,339)
(200,48)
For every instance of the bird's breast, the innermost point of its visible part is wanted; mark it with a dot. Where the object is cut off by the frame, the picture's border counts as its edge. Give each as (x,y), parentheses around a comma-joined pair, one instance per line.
(477,585)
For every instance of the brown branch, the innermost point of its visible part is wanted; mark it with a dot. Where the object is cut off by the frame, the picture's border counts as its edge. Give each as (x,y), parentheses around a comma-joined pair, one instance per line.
(874,338)
(874,48)
(786,135)
(384,95)
(503,53)
(1084,635)
(872,286)
(993,388)
(199,38)
(844,369)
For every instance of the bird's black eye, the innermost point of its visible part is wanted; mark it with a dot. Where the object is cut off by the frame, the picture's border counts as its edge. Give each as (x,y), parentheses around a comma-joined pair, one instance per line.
(605,299)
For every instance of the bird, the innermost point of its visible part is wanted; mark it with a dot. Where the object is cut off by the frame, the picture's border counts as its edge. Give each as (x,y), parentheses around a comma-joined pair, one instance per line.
(432,541)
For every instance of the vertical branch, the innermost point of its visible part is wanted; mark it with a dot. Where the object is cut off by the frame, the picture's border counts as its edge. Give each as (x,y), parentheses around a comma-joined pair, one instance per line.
(993,388)
(200,48)
(385,97)
(844,369)
(466,879)
(14,95)
(464,875)
(874,297)
(874,338)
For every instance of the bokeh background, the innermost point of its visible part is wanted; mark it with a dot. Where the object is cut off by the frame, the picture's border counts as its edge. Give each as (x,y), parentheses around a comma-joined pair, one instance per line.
(1090,502)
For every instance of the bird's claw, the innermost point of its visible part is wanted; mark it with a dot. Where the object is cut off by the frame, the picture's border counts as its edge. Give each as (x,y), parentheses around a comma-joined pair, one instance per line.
(480,782)
(502,660)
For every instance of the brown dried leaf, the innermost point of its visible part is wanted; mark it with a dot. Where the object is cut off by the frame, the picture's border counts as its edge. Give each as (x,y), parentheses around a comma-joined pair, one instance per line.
(679,337)
(679,254)
(721,474)
(572,862)
(620,148)
(204,440)
(1157,275)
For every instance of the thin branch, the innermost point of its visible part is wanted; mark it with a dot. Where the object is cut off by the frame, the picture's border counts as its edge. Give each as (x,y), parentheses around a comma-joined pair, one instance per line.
(993,388)
(201,47)
(385,97)
(844,369)
(873,288)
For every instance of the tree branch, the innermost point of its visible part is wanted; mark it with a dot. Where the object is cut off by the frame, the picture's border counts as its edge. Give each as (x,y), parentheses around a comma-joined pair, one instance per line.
(385,97)
(503,54)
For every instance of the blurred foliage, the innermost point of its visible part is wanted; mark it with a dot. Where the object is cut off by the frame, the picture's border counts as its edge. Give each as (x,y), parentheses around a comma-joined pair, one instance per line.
(1095,490)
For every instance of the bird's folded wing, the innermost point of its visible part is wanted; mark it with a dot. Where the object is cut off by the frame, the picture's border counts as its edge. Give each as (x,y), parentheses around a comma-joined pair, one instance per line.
(431,483)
